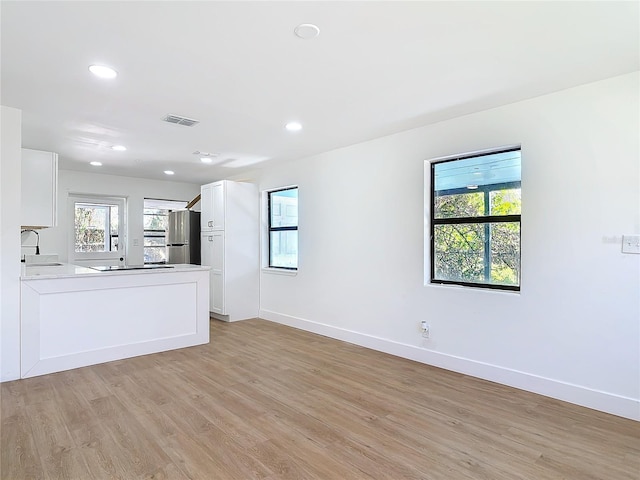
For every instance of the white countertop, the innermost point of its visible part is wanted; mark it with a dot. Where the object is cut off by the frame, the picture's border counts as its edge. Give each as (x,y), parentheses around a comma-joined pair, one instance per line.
(68,270)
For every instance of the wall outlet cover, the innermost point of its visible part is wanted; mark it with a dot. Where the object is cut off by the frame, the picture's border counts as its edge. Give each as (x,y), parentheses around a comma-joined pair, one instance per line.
(631,244)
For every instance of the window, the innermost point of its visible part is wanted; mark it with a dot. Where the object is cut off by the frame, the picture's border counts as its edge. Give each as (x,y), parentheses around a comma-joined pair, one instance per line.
(156,214)
(98,231)
(283,228)
(475,220)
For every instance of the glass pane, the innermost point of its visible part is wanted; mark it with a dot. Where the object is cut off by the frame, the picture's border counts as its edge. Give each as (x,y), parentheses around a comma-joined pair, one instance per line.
(154,211)
(95,227)
(283,206)
(154,241)
(113,219)
(461,205)
(155,254)
(283,248)
(505,253)
(478,253)
(505,202)
(155,221)
(459,252)
(477,172)
(478,186)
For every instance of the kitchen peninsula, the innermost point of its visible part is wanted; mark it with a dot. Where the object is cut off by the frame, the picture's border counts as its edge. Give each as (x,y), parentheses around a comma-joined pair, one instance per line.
(76,316)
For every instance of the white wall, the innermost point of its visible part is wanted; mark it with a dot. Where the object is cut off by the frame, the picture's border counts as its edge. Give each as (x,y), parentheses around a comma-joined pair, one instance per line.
(572,332)
(10,142)
(57,239)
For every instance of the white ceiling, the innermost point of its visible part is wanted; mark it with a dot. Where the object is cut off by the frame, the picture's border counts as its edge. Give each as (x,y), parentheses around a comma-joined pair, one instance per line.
(377,68)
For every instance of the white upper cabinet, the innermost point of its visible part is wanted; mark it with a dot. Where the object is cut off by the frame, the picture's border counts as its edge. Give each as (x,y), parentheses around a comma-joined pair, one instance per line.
(39,188)
(212,206)
(206,210)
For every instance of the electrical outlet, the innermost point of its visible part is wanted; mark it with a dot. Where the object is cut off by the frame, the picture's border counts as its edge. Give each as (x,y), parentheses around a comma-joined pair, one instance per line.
(631,244)
(424,326)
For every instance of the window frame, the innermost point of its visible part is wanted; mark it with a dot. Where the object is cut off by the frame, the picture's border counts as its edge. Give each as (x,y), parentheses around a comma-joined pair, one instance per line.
(486,220)
(110,256)
(161,204)
(270,229)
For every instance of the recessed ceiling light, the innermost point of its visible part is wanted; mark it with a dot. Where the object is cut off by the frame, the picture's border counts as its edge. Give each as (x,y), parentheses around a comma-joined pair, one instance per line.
(472,187)
(206,157)
(96,164)
(306,31)
(119,148)
(103,71)
(293,126)
(169,172)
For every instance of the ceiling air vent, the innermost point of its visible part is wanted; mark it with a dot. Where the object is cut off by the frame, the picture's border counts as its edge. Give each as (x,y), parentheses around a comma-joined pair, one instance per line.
(177,119)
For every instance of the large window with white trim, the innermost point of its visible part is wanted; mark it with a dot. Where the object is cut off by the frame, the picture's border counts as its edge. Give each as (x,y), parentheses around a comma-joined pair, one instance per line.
(475,220)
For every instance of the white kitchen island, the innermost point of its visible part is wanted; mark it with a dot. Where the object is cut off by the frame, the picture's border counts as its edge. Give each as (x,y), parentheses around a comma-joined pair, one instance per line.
(76,316)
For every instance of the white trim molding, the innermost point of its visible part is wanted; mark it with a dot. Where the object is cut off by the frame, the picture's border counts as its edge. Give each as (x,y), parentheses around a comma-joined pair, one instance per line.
(598,400)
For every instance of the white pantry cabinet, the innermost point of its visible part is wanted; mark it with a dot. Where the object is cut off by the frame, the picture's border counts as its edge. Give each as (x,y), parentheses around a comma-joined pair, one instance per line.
(39,188)
(231,247)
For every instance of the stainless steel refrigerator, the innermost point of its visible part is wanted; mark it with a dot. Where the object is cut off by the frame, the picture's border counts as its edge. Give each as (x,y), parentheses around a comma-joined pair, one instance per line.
(183,237)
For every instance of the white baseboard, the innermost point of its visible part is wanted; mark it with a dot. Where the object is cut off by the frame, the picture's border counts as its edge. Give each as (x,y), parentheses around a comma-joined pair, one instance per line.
(605,402)
(9,377)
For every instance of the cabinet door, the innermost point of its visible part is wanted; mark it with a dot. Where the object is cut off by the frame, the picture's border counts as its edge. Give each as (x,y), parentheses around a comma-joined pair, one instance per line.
(206,207)
(206,249)
(218,205)
(212,249)
(39,188)
(217,298)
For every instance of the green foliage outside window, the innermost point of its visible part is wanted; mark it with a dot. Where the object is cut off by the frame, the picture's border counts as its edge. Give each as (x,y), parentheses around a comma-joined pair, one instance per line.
(475,219)
(94,224)
(478,252)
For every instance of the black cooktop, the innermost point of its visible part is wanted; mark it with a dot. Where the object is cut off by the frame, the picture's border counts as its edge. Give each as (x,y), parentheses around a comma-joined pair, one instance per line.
(111,268)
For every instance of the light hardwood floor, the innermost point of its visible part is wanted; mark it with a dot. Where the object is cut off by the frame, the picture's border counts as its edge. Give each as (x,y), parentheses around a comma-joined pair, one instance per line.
(271,402)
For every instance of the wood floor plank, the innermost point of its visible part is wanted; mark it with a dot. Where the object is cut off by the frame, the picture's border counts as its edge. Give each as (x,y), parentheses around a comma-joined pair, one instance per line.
(302,452)
(268,402)
(373,462)
(191,457)
(233,421)
(127,443)
(54,443)
(19,457)
(12,398)
(235,457)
